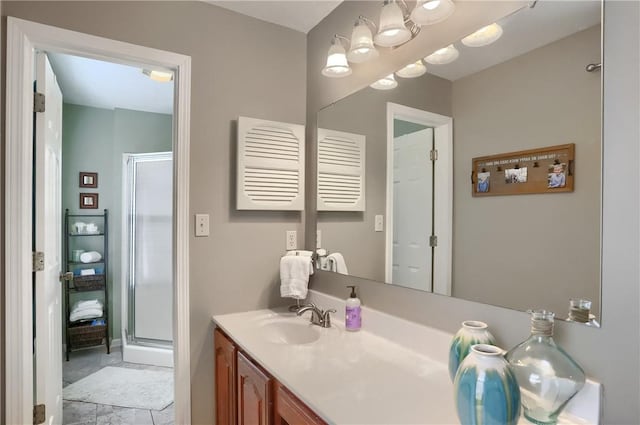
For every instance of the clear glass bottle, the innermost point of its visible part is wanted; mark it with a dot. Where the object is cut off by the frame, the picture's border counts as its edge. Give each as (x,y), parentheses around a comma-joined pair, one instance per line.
(548,377)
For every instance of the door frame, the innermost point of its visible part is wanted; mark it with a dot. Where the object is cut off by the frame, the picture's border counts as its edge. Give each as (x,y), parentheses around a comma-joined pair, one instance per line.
(23,38)
(443,202)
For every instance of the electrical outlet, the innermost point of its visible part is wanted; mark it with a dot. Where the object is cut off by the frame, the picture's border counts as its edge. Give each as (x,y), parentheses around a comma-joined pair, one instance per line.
(292,240)
(202,224)
(379,223)
(318,239)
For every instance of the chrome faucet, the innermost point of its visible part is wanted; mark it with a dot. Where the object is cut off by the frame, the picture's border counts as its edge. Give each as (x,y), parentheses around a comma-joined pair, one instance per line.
(318,316)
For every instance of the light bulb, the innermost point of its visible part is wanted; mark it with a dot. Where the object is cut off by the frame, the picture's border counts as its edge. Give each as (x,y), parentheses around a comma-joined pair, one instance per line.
(387,83)
(484,36)
(412,70)
(337,65)
(392,30)
(362,48)
(443,56)
(429,12)
(159,76)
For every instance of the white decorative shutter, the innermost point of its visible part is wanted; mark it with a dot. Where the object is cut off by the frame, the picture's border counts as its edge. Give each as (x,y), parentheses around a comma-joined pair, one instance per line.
(341,171)
(270,165)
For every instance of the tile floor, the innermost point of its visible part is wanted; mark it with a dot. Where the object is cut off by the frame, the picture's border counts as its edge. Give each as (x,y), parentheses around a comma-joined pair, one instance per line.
(85,362)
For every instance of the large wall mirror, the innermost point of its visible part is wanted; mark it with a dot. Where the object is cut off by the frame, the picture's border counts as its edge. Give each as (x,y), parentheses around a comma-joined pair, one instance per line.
(395,184)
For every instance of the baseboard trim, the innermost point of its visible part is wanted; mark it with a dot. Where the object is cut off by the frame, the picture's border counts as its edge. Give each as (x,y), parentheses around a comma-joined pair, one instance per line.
(115,342)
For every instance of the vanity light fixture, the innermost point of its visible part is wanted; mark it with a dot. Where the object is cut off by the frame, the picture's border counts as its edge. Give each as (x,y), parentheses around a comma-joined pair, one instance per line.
(387,83)
(429,12)
(412,70)
(392,30)
(337,65)
(443,56)
(362,48)
(484,36)
(159,76)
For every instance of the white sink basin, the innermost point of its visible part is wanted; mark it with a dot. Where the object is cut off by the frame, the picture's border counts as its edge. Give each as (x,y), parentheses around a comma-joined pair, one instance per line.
(291,331)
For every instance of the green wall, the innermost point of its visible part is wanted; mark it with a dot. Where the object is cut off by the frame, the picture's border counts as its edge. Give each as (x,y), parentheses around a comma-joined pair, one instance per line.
(95,140)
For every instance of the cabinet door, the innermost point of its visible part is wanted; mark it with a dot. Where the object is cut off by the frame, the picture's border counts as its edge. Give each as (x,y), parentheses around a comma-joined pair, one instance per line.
(225,369)
(291,411)
(254,394)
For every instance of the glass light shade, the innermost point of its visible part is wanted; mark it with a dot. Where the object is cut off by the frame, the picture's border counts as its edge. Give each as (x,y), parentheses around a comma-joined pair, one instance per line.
(429,12)
(443,56)
(392,30)
(159,76)
(387,83)
(362,48)
(337,65)
(484,36)
(412,70)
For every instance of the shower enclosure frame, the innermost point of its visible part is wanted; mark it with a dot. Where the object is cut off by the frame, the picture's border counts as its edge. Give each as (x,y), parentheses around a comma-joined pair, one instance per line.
(147,350)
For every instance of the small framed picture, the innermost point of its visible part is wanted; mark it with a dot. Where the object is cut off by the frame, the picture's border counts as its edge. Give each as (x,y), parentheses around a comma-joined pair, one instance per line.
(483,182)
(88,179)
(89,201)
(556,177)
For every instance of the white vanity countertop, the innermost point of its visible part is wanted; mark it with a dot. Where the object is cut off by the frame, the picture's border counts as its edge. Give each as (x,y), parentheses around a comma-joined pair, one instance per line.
(355,377)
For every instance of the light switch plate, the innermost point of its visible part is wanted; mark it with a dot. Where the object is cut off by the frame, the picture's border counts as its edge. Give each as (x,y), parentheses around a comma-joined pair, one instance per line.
(292,240)
(202,225)
(379,223)
(318,239)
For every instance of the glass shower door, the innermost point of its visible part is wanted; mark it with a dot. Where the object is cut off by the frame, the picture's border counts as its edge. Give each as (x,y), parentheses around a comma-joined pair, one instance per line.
(150,261)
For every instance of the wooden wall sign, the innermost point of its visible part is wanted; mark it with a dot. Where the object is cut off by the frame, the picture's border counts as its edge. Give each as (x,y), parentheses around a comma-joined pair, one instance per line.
(544,170)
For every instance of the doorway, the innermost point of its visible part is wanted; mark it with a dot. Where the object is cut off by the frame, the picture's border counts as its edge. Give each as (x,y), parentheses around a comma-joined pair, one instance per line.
(419,197)
(23,391)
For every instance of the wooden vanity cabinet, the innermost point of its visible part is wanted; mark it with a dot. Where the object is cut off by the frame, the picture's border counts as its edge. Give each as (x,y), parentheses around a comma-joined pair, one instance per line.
(254,394)
(225,382)
(291,411)
(247,395)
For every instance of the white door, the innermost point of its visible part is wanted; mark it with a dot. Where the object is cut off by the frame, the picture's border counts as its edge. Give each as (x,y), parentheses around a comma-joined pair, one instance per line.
(48,224)
(412,210)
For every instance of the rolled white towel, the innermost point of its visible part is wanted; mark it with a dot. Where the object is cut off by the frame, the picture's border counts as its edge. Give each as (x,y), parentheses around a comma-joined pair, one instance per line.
(90,257)
(294,276)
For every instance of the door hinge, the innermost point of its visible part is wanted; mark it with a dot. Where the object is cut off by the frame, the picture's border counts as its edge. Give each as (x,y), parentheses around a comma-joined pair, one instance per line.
(38,261)
(39,414)
(433,154)
(38,102)
(433,241)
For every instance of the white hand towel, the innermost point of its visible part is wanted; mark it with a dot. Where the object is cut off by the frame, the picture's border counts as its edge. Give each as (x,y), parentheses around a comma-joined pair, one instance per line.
(337,263)
(87,272)
(294,276)
(90,257)
(85,314)
(86,305)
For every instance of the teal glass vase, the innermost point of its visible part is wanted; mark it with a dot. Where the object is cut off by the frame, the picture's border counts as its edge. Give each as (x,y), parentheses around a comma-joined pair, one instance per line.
(547,375)
(472,332)
(486,390)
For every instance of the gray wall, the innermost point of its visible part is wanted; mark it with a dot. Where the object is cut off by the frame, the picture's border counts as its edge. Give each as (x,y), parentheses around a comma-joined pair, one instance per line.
(609,355)
(236,70)
(94,140)
(365,112)
(521,251)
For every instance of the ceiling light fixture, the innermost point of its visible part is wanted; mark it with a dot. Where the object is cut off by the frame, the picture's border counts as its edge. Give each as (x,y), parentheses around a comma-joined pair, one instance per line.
(443,56)
(429,12)
(387,83)
(159,76)
(392,30)
(362,48)
(484,36)
(412,70)
(337,65)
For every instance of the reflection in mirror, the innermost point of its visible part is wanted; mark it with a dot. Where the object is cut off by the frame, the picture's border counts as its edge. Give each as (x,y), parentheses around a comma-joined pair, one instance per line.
(395,191)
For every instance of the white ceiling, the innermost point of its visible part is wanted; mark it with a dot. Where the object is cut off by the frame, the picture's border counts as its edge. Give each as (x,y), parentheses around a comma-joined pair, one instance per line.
(526,30)
(108,85)
(300,15)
